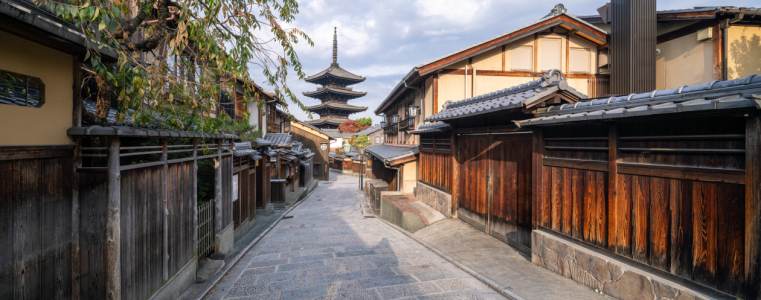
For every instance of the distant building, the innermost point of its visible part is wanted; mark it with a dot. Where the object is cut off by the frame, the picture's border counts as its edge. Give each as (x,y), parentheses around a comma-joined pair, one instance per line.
(334,94)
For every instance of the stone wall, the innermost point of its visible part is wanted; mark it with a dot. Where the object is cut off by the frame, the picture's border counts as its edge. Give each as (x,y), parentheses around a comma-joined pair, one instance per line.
(435,198)
(606,274)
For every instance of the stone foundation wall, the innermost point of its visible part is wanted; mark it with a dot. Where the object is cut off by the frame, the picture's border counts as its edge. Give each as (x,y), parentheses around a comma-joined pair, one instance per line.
(605,274)
(435,198)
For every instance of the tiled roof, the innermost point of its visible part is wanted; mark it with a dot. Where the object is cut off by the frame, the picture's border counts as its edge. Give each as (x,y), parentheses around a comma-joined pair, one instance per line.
(340,106)
(336,134)
(243,149)
(313,128)
(369,130)
(715,95)
(337,72)
(326,121)
(431,128)
(325,90)
(514,97)
(127,131)
(263,143)
(279,139)
(388,152)
(596,19)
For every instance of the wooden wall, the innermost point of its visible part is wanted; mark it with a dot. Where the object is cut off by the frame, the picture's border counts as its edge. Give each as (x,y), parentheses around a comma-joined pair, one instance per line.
(436,161)
(669,194)
(389,176)
(35,223)
(227,178)
(312,141)
(244,209)
(142,227)
(263,183)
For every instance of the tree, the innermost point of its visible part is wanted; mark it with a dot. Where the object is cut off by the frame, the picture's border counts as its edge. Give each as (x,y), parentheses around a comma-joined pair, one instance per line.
(361,142)
(177,57)
(367,121)
(351,126)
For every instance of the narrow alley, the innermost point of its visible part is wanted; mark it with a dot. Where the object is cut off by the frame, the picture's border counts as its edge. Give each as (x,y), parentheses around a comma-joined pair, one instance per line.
(328,250)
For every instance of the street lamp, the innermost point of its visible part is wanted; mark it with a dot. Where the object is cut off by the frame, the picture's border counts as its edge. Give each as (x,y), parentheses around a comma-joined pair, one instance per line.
(413,110)
(347,147)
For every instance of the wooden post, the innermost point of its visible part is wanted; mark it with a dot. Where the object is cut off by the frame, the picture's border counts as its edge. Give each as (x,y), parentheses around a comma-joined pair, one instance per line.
(752,207)
(113,230)
(454,149)
(165,214)
(612,186)
(536,182)
(76,113)
(435,92)
(75,163)
(218,188)
(718,45)
(195,197)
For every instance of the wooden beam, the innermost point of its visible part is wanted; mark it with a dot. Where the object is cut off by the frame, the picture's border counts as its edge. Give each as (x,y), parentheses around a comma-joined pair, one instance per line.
(536,53)
(600,166)
(455,173)
(537,155)
(687,173)
(567,53)
(195,193)
(112,259)
(753,207)
(503,57)
(512,73)
(35,152)
(75,163)
(218,189)
(165,213)
(686,30)
(435,93)
(718,49)
(613,154)
(76,113)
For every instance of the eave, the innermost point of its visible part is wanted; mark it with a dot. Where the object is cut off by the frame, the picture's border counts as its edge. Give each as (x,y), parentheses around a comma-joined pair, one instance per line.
(327,90)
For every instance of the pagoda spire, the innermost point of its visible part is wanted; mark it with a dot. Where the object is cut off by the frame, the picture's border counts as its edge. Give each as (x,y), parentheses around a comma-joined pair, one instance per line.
(335,46)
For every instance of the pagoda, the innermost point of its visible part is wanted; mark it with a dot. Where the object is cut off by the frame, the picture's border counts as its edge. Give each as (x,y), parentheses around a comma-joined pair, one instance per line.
(334,94)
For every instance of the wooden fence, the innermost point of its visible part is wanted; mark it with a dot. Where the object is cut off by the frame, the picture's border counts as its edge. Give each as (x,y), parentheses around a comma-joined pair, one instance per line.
(205,229)
(668,194)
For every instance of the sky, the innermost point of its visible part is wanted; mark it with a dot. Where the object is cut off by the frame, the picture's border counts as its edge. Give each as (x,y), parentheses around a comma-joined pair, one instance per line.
(383,40)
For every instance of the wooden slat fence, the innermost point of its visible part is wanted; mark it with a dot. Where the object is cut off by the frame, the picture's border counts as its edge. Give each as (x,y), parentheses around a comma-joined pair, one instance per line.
(205,229)
(35,226)
(676,201)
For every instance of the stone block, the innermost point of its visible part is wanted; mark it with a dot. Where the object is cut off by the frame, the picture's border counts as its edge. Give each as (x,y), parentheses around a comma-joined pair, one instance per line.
(564,266)
(664,291)
(599,269)
(407,290)
(278,276)
(450,285)
(224,241)
(615,270)
(386,281)
(583,260)
(289,284)
(631,286)
(550,260)
(309,292)
(684,296)
(339,277)
(343,287)
(250,290)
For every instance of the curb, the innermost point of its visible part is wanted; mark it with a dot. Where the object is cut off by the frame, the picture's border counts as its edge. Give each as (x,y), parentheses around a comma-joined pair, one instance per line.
(245,250)
(503,291)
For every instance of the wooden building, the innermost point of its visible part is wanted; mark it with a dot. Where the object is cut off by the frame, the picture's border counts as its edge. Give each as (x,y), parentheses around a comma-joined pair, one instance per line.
(318,143)
(481,169)
(245,177)
(666,181)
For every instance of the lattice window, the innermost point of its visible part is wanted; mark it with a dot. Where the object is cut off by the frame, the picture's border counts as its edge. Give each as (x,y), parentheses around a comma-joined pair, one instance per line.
(443,145)
(426,144)
(21,90)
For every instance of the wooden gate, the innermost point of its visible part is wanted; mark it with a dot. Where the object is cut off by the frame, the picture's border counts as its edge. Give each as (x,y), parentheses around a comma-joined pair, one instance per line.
(495,185)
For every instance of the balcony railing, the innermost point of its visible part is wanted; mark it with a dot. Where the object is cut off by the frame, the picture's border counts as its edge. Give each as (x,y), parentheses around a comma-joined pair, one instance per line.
(407,124)
(391,128)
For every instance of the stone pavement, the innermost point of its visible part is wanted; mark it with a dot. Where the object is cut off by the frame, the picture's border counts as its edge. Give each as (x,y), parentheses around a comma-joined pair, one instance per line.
(328,250)
(500,262)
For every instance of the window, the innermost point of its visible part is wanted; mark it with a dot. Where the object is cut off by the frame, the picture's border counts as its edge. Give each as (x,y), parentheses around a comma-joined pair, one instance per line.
(522,58)
(21,90)
(551,54)
(579,60)
(377,140)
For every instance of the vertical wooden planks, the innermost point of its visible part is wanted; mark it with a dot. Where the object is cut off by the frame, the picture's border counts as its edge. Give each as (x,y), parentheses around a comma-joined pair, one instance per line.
(601,195)
(730,266)
(590,207)
(613,190)
(26,231)
(537,167)
(680,192)
(659,223)
(640,205)
(753,206)
(8,174)
(557,198)
(567,199)
(577,191)
(546,205)
(624,218)
(704,225)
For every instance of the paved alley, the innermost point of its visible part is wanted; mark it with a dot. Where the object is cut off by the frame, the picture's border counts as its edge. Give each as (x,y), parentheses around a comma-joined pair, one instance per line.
(329,251)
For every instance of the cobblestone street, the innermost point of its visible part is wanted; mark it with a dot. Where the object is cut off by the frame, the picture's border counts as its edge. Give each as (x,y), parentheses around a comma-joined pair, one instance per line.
(328,250)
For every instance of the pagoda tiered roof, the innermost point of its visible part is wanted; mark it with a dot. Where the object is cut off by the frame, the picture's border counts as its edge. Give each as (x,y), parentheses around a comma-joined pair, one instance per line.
(325,91)
(334,74)
(326,121)
(337,106)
